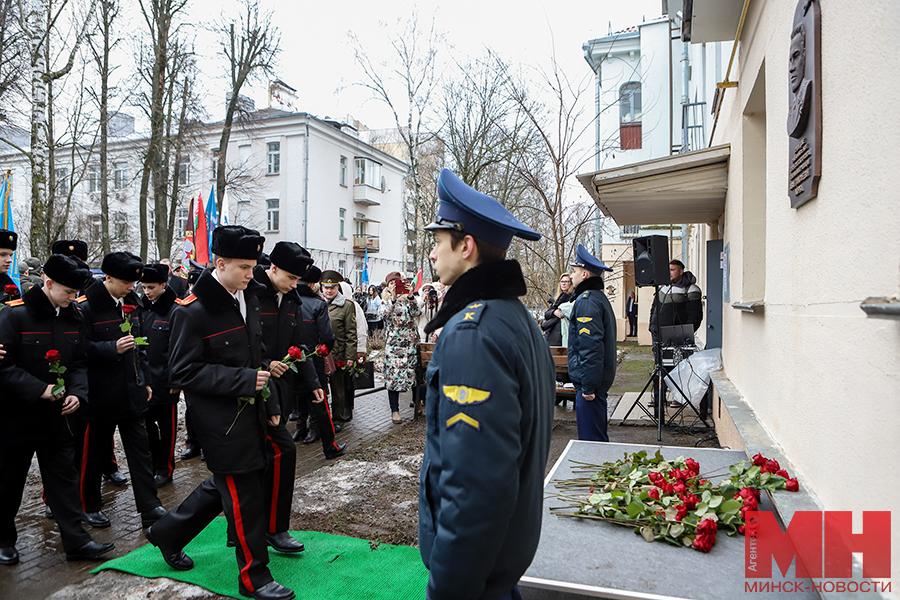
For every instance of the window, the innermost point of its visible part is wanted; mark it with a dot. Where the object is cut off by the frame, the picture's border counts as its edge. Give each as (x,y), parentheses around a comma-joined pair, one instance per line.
(361,222)
(631,230)
(94,226)
(62,182)
(359,272)
(274,158)
(94,178)
(342,213)
(215,164)
(368,172)
(342,267)
(120,175)
(343,178)
(630,116)
(181,221)
(120,226)
(184,172)
(152,224)
(272,215)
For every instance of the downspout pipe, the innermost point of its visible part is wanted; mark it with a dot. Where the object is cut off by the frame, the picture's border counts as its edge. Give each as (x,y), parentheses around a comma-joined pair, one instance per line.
(595,67)
(306,186)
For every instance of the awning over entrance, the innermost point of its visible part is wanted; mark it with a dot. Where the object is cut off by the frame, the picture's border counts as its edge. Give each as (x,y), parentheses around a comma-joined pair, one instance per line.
(683,188)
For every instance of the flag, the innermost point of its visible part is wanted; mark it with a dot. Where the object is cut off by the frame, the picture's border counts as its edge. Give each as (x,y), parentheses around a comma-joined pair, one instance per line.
(212,217)
(7,221)
(365,272)
(223,219)
(417,282)
(201,235)
(188,249)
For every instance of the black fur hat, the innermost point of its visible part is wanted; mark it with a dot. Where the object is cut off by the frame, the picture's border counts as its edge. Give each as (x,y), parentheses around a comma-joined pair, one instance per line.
(123,265)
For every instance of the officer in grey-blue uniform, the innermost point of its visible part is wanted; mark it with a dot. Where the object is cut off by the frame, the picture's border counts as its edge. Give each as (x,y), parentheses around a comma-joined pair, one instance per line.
(592,346)
(489,408)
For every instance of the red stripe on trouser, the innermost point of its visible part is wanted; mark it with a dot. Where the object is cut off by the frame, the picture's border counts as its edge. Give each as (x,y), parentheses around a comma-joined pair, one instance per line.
(84,459)
(172,440)
(276,477)
(239,530)
(112,450)
(331,424)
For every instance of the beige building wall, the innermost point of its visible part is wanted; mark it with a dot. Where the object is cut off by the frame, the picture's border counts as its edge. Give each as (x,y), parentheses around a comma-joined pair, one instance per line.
(823,378)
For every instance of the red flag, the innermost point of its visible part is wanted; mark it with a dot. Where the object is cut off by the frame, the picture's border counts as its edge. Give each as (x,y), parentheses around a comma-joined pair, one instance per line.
(418,281)
(188,249)
(201,241)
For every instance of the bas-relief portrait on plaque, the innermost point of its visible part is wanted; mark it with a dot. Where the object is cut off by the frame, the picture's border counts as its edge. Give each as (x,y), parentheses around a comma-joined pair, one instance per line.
(804,121)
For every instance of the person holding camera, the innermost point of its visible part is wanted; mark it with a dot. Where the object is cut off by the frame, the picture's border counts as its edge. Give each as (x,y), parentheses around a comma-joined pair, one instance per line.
(399,311)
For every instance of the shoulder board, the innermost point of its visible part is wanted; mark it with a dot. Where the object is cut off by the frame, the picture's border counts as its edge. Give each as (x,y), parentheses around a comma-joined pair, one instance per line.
(472,312)
(81,299)
(16,302)
(185,301)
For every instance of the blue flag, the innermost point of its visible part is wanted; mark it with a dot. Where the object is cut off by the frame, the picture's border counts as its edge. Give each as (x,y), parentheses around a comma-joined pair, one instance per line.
(365,271)
(7,222)
(212,218)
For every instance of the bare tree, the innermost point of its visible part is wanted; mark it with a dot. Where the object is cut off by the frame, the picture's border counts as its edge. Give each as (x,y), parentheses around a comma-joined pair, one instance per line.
(12,53)
(39,22)
(407,88)
(250,44)
(160,17)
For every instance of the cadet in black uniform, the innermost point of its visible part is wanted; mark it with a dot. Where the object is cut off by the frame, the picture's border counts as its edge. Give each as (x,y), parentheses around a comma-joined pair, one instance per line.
(119,388)
(191,443)
(315,330)
(162,415)
(489,409)
(215,357)
(592,346)
(35,420)
(8,241)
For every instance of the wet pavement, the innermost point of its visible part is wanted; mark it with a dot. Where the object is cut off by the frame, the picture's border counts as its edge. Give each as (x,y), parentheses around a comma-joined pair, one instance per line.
(43,568)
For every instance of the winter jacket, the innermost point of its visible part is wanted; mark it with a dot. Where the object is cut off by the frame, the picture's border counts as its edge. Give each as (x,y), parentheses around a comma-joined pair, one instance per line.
(677,304)
(592,339)
(343,324)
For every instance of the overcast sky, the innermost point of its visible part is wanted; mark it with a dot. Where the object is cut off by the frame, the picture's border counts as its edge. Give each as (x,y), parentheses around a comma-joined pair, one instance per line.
(317,58)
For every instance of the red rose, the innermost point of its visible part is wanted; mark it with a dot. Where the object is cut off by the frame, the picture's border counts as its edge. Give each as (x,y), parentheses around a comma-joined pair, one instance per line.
(653,475)
(682,512)
(771,466)
(660,483)
(295,353)
(690,500)
(128,308)
(11,289)
(669,489)
(52,356)
(692,464)
(321,349)
(654,493)
(792,485)
(339,364)
(702,481)
(679,488)
(759,460)
(707,527)
(703,543)
(748,492)
(691,473)
(783,473)
(741,529)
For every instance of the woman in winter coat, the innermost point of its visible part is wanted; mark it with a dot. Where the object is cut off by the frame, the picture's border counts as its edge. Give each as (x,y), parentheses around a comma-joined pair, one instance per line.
(552,325)
(399,313)
(373,310)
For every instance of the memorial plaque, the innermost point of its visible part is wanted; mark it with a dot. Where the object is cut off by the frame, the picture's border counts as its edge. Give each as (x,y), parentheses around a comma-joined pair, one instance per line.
(804,121)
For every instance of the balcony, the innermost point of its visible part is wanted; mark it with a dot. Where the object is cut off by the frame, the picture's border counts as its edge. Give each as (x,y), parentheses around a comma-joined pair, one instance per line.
(361,243)
(366,195)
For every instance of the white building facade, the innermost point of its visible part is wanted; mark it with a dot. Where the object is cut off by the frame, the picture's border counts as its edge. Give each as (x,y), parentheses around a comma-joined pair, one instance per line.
(292,176)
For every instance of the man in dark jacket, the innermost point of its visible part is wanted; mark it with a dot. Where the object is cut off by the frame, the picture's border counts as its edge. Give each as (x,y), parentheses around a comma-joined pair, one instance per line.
(119,387)
(592,346)
(279,318)
(216,359)
(489,408)
(162,415)
(8,242)
(315,330)
(679,303)
(36,412)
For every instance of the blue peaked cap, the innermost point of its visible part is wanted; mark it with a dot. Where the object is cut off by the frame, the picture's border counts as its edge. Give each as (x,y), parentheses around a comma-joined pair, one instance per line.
(465,209)
(588,261)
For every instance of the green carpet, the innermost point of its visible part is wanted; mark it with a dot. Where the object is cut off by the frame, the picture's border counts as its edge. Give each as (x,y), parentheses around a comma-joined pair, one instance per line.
(332,566)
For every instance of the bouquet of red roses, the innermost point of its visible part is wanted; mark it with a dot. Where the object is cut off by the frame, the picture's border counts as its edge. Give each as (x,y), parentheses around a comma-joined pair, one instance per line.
(670,500)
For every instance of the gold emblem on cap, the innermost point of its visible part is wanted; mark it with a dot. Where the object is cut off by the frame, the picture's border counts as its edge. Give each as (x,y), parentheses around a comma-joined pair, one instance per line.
(258,247)
(71,247)
(10,238)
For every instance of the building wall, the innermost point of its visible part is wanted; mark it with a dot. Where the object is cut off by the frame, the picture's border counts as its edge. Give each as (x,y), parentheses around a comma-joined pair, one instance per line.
(822,377)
